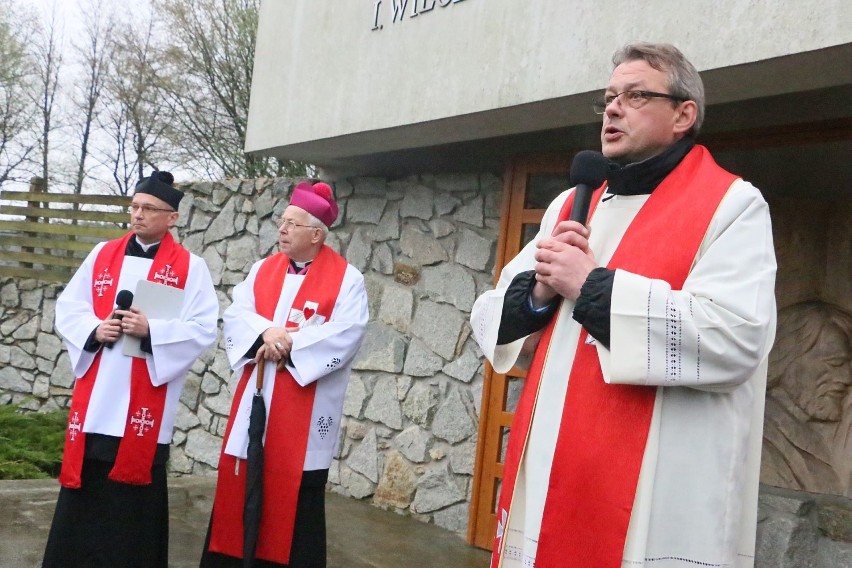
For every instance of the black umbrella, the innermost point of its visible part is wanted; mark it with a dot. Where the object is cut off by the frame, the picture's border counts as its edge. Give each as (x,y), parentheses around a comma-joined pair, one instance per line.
(254,471)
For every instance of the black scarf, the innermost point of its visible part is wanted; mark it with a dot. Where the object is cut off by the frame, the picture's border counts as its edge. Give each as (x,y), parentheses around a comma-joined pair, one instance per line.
(640,178)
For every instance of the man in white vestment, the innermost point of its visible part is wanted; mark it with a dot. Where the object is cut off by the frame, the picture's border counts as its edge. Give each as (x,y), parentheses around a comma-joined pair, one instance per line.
(636,441)
(301,313)
(112,508)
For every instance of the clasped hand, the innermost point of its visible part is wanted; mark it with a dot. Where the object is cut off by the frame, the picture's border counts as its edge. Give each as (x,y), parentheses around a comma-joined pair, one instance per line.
(131,322)
(563,262)
(277,343)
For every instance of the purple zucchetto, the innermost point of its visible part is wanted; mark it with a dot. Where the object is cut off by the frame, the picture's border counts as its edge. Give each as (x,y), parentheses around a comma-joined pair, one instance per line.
(159,184)
(317,199)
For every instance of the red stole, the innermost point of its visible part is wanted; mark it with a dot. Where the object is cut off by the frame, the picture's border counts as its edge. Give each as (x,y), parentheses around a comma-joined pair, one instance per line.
(604,427)
(288,423)
(145,411)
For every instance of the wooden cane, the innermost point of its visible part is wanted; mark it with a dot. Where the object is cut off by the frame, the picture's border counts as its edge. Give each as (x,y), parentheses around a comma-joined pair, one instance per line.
(261,365)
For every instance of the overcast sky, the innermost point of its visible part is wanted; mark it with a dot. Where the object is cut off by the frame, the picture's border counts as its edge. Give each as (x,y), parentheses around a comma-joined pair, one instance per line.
(71,29)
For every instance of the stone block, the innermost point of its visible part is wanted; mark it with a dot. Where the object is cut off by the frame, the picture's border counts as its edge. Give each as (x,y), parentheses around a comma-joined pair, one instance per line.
(452,421)
(398,483)
(446,203)
(463,458)
(364,459)
(41,387)
(441,228)
(420,403)
(383,349)
(185,419)
(785,541)
(453,518)
(439,326)
(835,520)
(450,283)
(359,250)
(48,346)
(178,462)
(241,254)
(456,182)
(203,446)
(356,394)
(417,202)
(384,405)
(365,210)
(222,225)
(471,212)
(414,443)
(422,248)
(369,186)
(465,366)
(9,294)
(436,489)
(219,404)
(832,554)
(474,251)
(420,361)
(382,259)
(354,484)
(11,379)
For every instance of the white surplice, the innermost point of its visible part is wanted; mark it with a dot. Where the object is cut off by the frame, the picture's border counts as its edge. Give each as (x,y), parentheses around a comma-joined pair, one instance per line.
(696,500)
(176,343)
(316,347)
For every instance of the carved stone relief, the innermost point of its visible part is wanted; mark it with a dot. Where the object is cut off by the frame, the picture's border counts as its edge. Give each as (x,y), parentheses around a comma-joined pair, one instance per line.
(807,434)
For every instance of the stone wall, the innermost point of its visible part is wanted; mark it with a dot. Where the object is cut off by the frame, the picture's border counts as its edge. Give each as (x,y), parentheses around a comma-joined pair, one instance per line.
(426,247)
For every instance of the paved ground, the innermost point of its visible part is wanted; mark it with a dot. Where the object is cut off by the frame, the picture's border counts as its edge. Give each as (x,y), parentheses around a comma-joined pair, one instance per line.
(359,535)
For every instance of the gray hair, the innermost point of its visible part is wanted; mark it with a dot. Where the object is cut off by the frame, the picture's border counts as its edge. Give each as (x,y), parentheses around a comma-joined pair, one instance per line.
(315,222)
(684,80)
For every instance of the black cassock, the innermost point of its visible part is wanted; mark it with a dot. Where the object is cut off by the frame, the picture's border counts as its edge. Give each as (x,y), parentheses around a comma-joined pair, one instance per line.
(309,547)
(108,524)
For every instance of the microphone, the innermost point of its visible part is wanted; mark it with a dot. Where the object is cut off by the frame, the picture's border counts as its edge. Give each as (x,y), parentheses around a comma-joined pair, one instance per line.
(588,171)
(122,302)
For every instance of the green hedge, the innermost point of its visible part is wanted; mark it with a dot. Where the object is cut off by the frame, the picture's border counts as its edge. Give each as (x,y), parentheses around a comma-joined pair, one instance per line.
(31,443)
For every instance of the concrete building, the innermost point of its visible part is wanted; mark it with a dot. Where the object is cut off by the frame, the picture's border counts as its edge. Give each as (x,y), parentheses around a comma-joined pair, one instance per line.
(469,111)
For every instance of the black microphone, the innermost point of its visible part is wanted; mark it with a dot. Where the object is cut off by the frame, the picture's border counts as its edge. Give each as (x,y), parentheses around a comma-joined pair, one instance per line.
(123,300)
(588,171)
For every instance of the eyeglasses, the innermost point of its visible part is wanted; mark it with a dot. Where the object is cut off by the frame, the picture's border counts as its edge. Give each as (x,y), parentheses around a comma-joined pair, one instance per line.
(147,209)
(633,99)
(289,224)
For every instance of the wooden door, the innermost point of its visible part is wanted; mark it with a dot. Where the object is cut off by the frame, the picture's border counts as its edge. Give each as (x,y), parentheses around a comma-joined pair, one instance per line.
(529,185)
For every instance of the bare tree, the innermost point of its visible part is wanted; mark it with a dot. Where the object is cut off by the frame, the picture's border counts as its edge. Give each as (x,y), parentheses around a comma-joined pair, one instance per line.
(136,117)
(48,57)
(94,54)
(17,83)
(208,62)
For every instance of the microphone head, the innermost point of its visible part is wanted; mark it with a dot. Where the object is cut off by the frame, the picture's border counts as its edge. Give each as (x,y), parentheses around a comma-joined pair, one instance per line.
(589,168)
(123,299)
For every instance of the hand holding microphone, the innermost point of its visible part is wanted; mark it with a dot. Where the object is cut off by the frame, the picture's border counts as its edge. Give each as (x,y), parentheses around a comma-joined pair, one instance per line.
(564,260)
(123,300)
(588,172)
